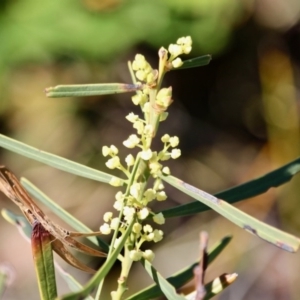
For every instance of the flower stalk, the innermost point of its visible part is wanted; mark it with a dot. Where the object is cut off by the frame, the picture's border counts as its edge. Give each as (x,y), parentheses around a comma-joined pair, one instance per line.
(133,204)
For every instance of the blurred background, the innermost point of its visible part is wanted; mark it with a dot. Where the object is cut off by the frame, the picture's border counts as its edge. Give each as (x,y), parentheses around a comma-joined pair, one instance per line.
(236,118)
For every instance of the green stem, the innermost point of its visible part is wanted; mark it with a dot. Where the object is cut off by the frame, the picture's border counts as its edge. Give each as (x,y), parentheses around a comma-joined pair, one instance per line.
(126,266)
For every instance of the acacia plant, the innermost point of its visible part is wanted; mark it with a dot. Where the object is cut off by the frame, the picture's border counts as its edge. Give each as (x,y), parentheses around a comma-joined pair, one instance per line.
(143,181)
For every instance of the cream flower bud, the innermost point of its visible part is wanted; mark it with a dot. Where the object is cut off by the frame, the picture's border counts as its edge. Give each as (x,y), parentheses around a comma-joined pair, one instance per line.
(150,194)
(114,223)
(187,49)
(141,59)
(116,181)
(149,237)
(139,62)
(107,216)
(180,41)
(132,141)
(150,77)
(164,97)
(114,149)
(186,40)
(131,117)
(147,228)
(137,99)
(155,167)
(146,154)
(159,219)
(175,50)
(135,255)
(149,255)
(176,63)
(139,126)
(158,235)
(129,160)
(105,229)
(119,196)
(165,138)
(141,75)
(147,107)
(135,190)
(161,186)
(148,130)
(106,151)
(113,162)
(143,213)
(174,141)
(128,211)
(161,196)
(136,228)
(118,205)
(166,170)
(164,92)
(175,153)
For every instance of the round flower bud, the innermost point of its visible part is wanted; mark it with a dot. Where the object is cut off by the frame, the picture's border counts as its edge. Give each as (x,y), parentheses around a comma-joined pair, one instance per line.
(165,138)
(105,229)
(136,228)
(135,255)
(174,141)
(129,160)
(147,228)
(146,154)
(161,196)
(131,117)
(107,216)
(166,170)
(143,213)
(114,223)
(114,149)
(159,219)
(175,153)
(116,181)
(158,235)
(113,163)
(176,63)
(106,151)
(148,255)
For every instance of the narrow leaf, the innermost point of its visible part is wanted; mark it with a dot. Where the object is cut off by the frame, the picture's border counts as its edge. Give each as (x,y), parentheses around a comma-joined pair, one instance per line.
(219,284)
(72,283)
(216,286)
(102,272)
(181,277)
(59,211)
(53,160)
(246,190)
(266,232)
(167,289)
(195,62)
(43,260)
(78,90)
(20,221)
(25,229)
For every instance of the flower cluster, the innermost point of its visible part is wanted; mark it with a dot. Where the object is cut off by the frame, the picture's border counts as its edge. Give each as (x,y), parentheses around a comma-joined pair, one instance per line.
(134,203)
(144,71)
(182,46)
